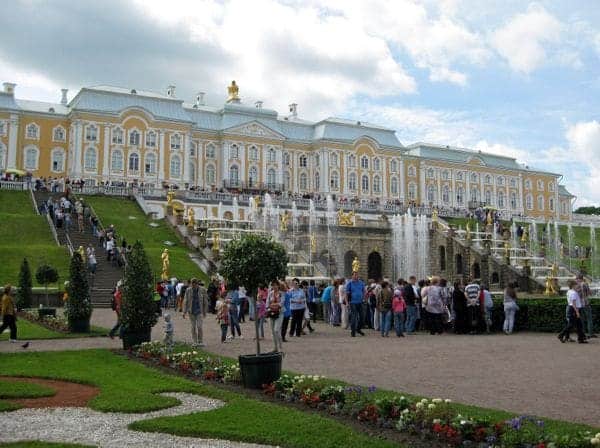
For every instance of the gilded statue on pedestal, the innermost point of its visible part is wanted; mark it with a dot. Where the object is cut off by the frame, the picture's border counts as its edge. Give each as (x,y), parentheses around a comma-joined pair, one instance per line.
(490,219)
(284,218)
(191,218)
(355,265)
(170,196)
(216,242)
(525,236)
(313,244)
(468,232)
(233,93)
(346,219)
(434,215)
(165,265)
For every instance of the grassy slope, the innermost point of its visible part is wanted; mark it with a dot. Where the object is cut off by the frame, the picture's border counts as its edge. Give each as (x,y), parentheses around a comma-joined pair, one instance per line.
(12,389)
(117,211)
(25,234)
(30,331)
(130,387)
(39,444)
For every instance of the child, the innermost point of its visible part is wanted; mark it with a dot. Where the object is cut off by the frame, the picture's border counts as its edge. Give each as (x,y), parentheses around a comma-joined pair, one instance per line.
(261,314)
(399,308)
(168,332)
(222,317)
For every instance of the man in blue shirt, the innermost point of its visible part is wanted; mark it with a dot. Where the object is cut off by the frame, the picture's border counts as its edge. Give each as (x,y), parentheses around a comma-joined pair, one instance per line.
(297,304)
(287,297)
(326,300)
(355,291)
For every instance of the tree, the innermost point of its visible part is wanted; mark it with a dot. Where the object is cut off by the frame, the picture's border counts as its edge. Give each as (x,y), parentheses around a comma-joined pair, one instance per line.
(24,294)
(590,210)
(138,310)
(78,307)
(251,261)
(45,275)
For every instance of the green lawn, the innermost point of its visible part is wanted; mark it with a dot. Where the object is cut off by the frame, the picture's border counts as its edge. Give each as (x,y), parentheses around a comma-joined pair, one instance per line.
(12,389)
(38,444)
(25,234)
(128,386)
(27,330)
(118,211)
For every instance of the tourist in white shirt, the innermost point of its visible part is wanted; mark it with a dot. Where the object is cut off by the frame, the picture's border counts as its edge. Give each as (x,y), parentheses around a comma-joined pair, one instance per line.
(574,306)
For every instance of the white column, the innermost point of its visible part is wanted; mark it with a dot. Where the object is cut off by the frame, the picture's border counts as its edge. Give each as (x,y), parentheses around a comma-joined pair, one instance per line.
(385,177)
(263,164)
(507,194)
(162,155)
(243,174)
(78,148)
(482,188)
(225,164)
(187,145)
(13,135)
(521,206)
(439,187)
(453,192)
(199,165)
(324,170)
(494,192)
(402,180)
(422,192)
(106,151)
(280,167)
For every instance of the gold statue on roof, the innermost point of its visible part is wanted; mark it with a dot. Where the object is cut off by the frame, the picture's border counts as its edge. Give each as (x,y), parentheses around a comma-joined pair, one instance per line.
(346,219)
(355,265)
(233,92)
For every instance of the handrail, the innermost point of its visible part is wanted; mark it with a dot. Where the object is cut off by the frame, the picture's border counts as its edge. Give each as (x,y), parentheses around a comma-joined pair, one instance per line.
(36,206)
(69,244)
(52,229)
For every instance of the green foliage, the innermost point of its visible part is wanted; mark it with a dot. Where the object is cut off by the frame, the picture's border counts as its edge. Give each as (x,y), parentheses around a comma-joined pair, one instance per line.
(40,444)
(138,310)
(21,389)
(29,331)
(252,260)
(591,210)
(78,306)
(46,274)
(24,293)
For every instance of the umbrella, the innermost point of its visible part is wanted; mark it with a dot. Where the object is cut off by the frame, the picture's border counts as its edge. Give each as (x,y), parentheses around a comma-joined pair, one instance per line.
(15,171)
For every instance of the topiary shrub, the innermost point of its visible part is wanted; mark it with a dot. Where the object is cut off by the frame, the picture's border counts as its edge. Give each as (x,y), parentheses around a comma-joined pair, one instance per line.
(78,308)
(24,293)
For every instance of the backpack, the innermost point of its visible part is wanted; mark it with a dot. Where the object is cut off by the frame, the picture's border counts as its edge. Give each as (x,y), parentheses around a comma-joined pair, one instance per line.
(113,302)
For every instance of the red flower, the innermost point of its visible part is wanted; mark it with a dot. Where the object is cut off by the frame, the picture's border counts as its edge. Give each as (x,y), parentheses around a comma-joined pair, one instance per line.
(437,428)
(541,445)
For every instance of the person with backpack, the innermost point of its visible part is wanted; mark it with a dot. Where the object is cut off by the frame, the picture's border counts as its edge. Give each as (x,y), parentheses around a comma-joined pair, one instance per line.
(384,306)
(326,297)
(488,307)
(435,307)
(312,300)
(115,305)
(399,308)
(472,291)
(355,291)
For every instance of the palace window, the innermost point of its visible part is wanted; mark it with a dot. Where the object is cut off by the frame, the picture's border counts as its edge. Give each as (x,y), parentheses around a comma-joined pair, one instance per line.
(334,159)
(551,204)
(352,182)
(527,184)
(460,195)
(445,175)
(365,183)
(394,186)
(540,202)
(430,173)
(150,165)
(303,181)
(488,197)
(317,160)
(134,162)
(352,161)
(234,175)
(302,161)
(550,187)
(211,175)
(412,171)
(431,193)
(134,138)
(529,202)
(317,183)
(394,166)
(91,133)
(376,164)
(334,181)
(500,181)
(459,175)
(501,199)
(473,177)
(286,158)
(175,144)
(513,182)
(540,185)
(445,194)
(192,149)
(287,180)
(151,139)
(58,135)
(487,179)
(513,200)
(117,136)
(210,151)
(377,184)
(271,180)
(2,128)
(474,196)
(252,176)
(364,162)
(271,155)
(564,208)
(58,160)
(32,131)
(175,166)
(116,161)
(31,158)
(253,153)
(412,191)
(89,160)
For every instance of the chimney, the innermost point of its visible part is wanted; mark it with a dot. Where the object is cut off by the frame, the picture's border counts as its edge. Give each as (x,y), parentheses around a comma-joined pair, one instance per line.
(293,110)
(9,87)
(171,91)
(200,99)
(63,99)
(258,104)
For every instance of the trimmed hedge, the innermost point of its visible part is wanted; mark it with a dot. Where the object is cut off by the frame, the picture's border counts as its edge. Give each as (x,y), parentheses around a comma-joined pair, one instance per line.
(545,315)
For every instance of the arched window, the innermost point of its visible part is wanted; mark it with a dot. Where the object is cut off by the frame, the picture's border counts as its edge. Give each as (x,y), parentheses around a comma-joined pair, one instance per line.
(376,184)
(513,200)
(365,183)
(302,161)
(540,202)
(271,155)
(335,180)
(117,136)
(192,168)
(134,138)
(150,163)
(175,143)
(364,162)
(303,181)
(32,131)
(412,191)
(473,177)
(317,160)
(317,183)
(430,173)
(175,166)
(550,186)
(91,133)
(393,166)
(488,197)
(513,182)
(501,199)
(529,202)
(89,162)
(412,171)
(487,179)
(551,204)
(286,180)
(116,161)
(528,184)
(431,193)
(253,153)
(474,195)
(376,164)
(2,156)
(234,175)
(394,186)
(459,175)
(151,139)
(58,160)
(134,162)
(540,185)
(500,181)
(445,175)
(252,176)
(460,195)
(352,182)
(58,134)
(211,177)
(271,179)
(334,159)
(31,158)
(210,151)
(352,161)
(286,158)
(445,194)
(192,149)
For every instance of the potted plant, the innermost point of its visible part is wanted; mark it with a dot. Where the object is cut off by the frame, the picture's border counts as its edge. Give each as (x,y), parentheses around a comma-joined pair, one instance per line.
(248,262)
(45,275)
(78,307)
(138,311)
(24,293)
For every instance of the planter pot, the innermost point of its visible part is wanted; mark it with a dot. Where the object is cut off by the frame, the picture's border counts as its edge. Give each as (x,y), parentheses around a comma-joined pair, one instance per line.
(131,339)
(47,312)
(260,369)
(79,326)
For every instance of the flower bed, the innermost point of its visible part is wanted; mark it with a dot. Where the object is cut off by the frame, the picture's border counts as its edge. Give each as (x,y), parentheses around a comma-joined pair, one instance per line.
(434,419)
(56,323)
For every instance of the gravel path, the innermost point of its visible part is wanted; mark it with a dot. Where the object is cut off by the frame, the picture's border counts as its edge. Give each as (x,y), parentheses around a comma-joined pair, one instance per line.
(85,426)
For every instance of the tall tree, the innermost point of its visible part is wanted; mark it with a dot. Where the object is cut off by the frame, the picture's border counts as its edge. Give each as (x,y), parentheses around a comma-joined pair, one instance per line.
(78,307)
(24,294)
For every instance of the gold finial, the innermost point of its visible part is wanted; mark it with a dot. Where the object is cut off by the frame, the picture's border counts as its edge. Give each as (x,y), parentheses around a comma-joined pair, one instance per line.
(233,92)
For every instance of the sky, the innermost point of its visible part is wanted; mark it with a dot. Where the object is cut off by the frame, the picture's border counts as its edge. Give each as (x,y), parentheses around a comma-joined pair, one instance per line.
(516,78)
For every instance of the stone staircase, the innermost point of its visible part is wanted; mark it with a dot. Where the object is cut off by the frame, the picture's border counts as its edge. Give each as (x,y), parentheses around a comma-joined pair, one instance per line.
(106,277)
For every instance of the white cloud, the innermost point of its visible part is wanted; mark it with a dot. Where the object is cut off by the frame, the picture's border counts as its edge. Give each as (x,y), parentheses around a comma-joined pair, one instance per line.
(522,41)
(584,140)
(522,155)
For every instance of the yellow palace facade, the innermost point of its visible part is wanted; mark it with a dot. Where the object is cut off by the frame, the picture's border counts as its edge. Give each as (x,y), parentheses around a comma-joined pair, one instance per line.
(109,134)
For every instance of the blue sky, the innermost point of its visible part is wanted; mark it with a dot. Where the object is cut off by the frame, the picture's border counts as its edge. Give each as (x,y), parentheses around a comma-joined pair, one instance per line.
(513,77)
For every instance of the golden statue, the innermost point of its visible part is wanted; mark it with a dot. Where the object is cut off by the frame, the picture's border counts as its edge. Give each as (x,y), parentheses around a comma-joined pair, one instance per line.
(81,251)
(284,219)
(346,219)
(550,287)
(490,220)
(216,240)
(434,215)
(165,265)
(554,270)
(257,200)
(507,250)
(468,231)
(191,218)
(355,265)
(313,243)
(525,236)
(233,92)
(170,196)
